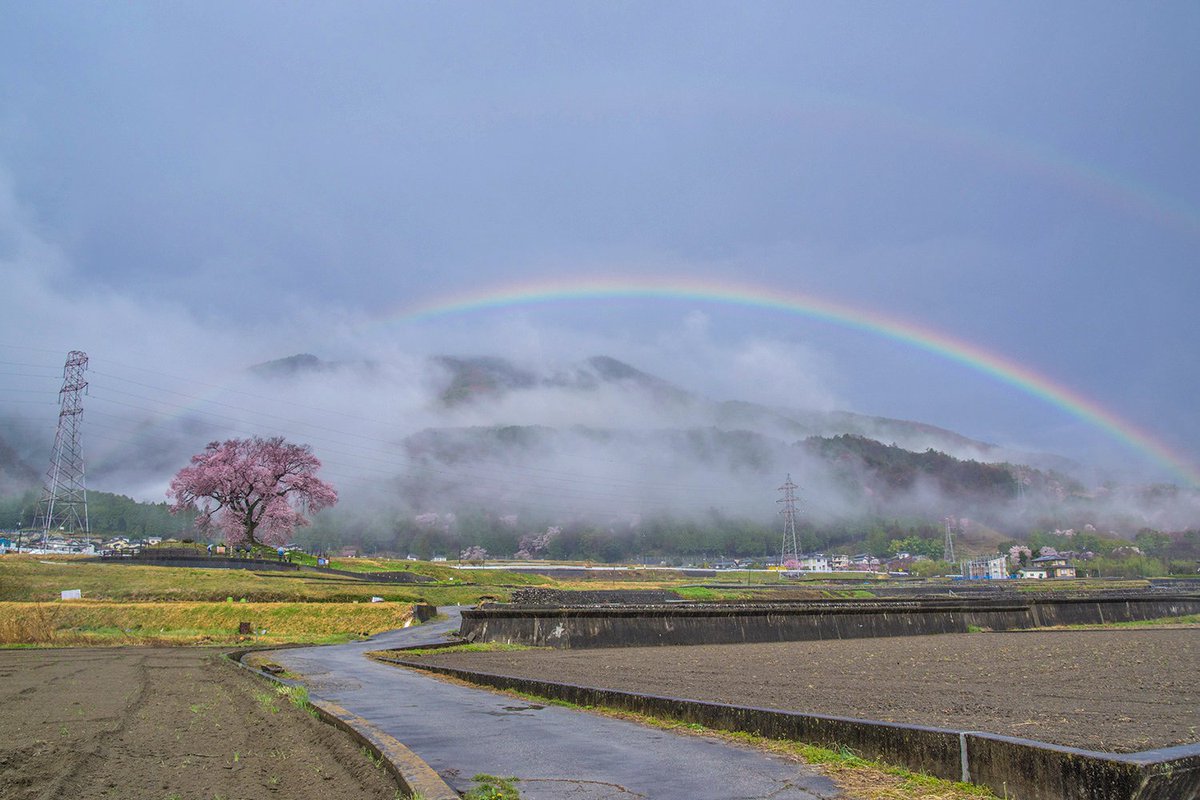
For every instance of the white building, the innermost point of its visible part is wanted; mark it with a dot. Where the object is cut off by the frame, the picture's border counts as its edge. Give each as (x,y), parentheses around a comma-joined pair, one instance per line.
(817,562)
(987,568)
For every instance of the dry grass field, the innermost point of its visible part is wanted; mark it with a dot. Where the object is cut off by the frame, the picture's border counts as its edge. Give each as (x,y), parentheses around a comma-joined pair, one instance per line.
(84,622)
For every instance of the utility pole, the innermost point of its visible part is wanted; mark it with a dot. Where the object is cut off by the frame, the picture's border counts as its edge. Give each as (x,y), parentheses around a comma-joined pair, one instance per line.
(789,546)
(21,528)
(64,497)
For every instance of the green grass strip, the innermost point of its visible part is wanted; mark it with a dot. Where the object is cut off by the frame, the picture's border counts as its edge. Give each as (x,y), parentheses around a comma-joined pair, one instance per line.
(912,784)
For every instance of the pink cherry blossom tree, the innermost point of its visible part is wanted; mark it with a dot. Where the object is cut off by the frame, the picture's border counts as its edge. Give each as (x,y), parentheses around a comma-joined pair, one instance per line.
(256,490)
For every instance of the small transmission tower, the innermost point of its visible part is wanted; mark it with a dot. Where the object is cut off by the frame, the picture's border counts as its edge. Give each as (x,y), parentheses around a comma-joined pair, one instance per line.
(64,497)
(1023,481)
(948,548)
(789,546)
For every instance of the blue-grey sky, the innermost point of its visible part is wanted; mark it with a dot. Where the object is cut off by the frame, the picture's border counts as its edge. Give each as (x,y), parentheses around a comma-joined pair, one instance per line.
(231,182)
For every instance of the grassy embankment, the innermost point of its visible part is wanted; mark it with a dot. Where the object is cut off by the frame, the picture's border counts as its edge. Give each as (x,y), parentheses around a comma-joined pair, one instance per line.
(41,578)
(125,602)
(128,603)
(90,622)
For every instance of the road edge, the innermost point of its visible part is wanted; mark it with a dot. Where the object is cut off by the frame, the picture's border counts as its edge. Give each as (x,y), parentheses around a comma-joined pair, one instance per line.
(415,777)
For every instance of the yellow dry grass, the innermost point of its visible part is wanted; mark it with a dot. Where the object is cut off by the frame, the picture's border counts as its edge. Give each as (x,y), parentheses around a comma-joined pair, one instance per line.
(101,622)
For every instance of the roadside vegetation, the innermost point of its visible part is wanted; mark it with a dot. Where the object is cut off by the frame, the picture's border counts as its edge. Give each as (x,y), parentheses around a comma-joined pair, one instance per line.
(1188,621)
(492,787)
(471,647)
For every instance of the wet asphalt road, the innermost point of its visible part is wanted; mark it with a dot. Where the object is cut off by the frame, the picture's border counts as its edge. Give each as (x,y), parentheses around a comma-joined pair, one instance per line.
(554,752)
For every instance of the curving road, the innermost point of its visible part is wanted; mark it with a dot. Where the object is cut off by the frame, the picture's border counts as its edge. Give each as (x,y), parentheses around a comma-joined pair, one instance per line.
(554,752)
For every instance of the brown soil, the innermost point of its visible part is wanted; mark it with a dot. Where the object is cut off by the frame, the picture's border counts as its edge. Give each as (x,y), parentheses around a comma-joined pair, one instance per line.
(1110,690)
(164,723)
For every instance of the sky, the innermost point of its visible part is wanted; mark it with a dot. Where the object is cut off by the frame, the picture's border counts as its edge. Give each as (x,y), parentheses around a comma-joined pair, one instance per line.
(187,189)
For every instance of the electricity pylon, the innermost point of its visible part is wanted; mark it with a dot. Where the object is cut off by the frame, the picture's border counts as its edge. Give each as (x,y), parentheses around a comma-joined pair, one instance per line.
(948,546)
(789,546)
(64,497)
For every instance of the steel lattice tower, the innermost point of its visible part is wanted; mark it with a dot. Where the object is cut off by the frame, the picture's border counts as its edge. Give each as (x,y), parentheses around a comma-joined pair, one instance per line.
(789,521)
(948,547)
(64,497)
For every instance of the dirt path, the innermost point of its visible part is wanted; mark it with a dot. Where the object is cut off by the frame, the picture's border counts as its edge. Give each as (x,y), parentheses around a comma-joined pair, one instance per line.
(1113,690)
(164,723)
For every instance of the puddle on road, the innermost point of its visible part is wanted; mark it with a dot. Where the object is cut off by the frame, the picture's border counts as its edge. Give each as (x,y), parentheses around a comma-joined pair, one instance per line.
(506,711)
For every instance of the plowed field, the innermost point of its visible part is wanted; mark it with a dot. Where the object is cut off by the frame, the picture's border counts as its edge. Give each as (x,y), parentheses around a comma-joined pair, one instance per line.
(1110,690)
(164,723)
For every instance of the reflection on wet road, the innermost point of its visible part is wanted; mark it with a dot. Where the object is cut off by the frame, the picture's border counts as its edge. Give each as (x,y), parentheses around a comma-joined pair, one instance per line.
(554,752)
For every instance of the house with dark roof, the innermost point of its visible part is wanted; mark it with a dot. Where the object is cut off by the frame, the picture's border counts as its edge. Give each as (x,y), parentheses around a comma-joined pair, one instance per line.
(1054,566)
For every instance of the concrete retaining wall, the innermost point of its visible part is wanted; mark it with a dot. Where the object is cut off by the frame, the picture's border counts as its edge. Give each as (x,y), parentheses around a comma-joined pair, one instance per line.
(715,623)
(1019,769)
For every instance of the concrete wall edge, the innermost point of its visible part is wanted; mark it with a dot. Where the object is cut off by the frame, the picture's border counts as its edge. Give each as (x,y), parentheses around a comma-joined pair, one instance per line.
(1166,773)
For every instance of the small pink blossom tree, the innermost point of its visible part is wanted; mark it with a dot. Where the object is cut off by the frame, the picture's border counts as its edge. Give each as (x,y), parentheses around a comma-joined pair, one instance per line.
(256,490)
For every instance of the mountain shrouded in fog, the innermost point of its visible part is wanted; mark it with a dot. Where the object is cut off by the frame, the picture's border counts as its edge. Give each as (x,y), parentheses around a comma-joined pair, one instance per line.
(596,440)
(970,228)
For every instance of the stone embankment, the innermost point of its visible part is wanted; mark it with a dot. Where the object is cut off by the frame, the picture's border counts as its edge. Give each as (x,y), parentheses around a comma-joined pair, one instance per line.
(538,596)
(725,623)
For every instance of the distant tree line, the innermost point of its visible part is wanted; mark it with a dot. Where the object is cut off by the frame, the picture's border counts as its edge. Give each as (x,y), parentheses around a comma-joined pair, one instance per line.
(108,515)
(707,536)
(890,469)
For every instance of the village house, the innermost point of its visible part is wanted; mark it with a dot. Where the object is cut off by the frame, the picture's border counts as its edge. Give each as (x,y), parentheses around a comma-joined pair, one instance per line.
(865,562)
(1052,566)
(817,562)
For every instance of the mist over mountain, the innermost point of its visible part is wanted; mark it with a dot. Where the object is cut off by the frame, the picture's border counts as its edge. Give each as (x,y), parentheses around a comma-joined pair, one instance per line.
(15,474)
(596,440)
(479,380)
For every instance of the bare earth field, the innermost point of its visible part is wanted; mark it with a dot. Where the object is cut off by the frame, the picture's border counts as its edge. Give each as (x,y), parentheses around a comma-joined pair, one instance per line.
(164,723)
(1110,690)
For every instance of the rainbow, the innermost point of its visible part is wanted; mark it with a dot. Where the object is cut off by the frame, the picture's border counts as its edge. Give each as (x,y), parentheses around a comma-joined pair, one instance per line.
(714,291)
(1120,192)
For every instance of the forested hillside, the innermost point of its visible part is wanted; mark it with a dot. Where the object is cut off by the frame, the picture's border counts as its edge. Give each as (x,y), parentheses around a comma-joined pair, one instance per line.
(108,514)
